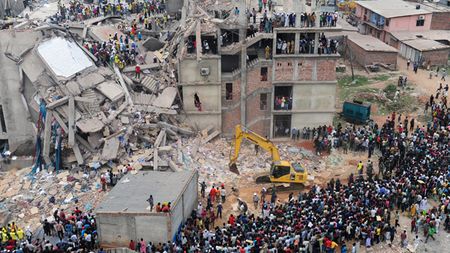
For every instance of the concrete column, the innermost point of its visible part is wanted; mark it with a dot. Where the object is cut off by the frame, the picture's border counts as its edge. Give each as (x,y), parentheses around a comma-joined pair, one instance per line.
(302,5)
(297,10)
(316,43)
(242,36)
(297,43)
(274,44)
(316,9)
(242,5)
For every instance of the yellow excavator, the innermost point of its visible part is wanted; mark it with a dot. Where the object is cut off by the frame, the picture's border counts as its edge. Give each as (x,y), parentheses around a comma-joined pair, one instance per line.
(280,171)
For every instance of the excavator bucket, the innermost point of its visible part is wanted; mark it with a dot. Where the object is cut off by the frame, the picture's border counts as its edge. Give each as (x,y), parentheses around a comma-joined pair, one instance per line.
(234,168)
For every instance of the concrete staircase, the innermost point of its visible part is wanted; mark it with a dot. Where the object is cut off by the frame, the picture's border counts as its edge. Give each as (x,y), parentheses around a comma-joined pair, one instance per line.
(150,84)
(143,99)
(251,65)
(236,47)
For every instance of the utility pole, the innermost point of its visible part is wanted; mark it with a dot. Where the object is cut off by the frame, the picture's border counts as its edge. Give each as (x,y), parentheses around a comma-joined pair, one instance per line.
(350,55)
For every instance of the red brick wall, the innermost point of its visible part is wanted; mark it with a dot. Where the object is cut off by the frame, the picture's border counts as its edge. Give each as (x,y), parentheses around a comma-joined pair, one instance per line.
(262,127)
(364,58)
(305,70)
(284,70)
(236,92)
(254,89)
(440,21)
(436,57)
(230,119)
(326,70)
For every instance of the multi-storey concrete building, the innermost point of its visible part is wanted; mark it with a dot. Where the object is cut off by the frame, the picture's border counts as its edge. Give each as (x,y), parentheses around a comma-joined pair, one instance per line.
(271,80)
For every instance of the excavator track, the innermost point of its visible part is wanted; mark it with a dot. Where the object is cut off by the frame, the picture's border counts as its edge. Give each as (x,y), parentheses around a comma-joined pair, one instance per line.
(263,180)
(279,187)
(291,187)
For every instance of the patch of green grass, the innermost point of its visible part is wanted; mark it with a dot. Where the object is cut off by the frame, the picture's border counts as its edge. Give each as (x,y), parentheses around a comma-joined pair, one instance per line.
(390,90)
(381,78)
(405,103)
(346,81)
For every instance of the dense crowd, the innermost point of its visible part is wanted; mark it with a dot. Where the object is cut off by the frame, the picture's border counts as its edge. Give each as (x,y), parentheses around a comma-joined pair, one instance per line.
(76,232)
(79,11)
(307,45)
(414,167)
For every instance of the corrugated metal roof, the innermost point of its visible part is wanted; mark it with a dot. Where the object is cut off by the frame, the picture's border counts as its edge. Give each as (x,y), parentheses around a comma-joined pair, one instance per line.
(392,8)
(369,43)
(425,45)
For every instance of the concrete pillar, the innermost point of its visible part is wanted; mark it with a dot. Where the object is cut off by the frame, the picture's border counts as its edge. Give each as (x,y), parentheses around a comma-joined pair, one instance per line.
(316,43)
(302,5)
(297,43)
(316,9)
(297,10)
(274,43)
(198,40)
(242,36)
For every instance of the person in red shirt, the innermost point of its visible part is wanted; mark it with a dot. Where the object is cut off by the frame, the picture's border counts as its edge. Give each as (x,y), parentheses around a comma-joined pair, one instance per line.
(132,245)
(138,72)
(231,220)
(212,194)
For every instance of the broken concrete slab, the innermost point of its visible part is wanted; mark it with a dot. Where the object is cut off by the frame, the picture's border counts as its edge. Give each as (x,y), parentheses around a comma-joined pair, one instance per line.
(91,80)
(58,102)
(91,125)
(205,132)
(143,67)
(152,44)
(211,136)
(74,88)
(94,139)
(177,129)
(111,90)
(110,149)
(166,98)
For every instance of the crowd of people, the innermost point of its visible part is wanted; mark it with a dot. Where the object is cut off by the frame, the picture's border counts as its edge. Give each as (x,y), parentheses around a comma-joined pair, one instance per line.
(283,103)
(64,233)
(363,212)
(79,11)
(122,49)
(307,45)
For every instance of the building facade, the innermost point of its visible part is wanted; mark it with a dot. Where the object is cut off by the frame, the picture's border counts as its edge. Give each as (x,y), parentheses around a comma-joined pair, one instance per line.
(247,78)
(382,17)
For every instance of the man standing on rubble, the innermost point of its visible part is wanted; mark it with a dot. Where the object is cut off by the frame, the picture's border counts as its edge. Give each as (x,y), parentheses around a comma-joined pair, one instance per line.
(138,72)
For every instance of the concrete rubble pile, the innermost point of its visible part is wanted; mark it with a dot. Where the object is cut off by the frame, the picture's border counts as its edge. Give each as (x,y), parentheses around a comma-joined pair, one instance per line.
(100,115)
(28,200)
(212,159)
(89,117)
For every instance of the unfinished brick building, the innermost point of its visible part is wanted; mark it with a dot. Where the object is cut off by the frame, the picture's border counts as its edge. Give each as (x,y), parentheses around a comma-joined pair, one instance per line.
(248,78)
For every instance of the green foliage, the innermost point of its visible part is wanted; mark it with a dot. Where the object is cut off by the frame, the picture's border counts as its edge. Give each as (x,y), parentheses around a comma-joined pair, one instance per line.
(381,78)
(347,81)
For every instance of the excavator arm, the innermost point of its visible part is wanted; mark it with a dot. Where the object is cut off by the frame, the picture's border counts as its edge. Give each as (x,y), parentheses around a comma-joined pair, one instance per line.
(264,143)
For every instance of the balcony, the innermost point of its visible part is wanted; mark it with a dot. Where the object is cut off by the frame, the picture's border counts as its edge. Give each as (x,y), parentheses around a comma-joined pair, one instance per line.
(377,26)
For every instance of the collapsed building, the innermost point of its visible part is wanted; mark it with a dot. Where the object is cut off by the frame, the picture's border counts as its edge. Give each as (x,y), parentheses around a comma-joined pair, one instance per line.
(234,82)
(91,114)
(83,113)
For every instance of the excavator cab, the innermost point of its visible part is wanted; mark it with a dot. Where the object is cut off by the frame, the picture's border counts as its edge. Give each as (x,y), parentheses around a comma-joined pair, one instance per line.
(284,172)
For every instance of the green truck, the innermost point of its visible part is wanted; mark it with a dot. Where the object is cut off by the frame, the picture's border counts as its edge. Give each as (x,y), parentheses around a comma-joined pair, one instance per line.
(356,112)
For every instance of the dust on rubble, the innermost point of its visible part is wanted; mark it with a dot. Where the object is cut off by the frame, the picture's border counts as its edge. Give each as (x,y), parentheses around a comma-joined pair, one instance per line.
(26,198)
